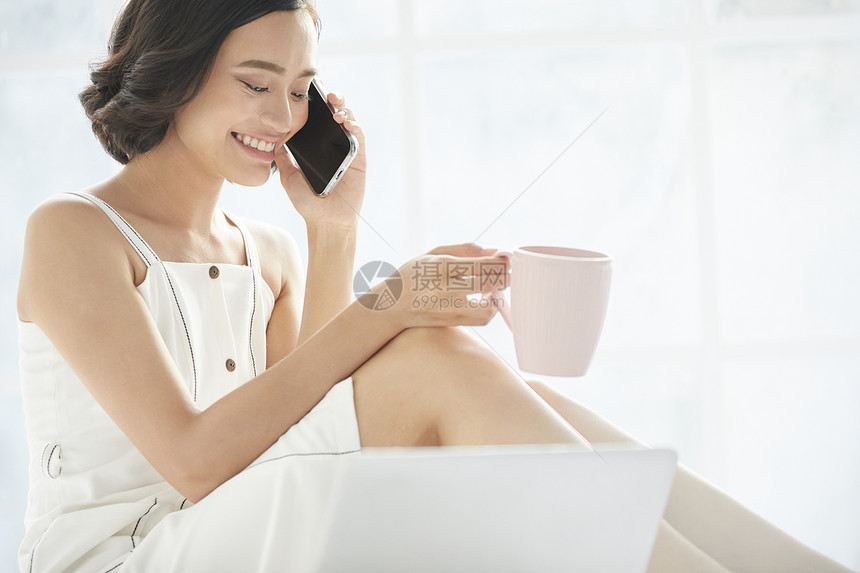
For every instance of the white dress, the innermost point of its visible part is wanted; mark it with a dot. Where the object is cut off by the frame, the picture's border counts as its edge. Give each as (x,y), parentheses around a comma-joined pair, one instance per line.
(96,504)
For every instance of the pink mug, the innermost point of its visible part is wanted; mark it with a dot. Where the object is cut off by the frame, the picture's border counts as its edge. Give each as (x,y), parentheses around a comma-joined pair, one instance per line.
(557,306)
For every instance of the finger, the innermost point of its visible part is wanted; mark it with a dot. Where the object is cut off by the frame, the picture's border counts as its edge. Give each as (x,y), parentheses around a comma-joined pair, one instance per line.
(478,315)
(352,126)
(463,258)
(461,250)
(466,274)
(344,114)
(336,99)
(284,160)
(470,283)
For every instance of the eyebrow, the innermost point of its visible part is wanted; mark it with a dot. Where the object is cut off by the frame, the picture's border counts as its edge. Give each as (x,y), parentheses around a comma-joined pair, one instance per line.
(273,67)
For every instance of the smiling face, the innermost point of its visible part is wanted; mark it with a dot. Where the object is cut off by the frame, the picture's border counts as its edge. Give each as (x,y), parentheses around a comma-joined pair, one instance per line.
(253,101)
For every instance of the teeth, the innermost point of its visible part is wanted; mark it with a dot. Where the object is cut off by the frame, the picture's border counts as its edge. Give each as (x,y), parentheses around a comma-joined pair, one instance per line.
(255,143)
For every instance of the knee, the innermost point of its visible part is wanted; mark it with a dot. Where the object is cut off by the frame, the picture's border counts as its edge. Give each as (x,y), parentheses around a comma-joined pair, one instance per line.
(420,350)
(549,394)
(436,341)
(437,354)
(540,387)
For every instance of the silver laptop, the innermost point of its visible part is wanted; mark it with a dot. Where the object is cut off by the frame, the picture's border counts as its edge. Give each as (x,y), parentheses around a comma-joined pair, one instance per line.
(496,509)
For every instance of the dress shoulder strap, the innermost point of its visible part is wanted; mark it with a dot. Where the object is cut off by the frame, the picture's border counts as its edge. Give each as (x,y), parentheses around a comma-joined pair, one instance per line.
(258,335)
(143,249)
(250,246)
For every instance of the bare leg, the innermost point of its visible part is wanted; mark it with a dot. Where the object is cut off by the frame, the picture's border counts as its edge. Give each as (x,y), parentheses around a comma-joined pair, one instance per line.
(439,385)
(673,552)
(701,514)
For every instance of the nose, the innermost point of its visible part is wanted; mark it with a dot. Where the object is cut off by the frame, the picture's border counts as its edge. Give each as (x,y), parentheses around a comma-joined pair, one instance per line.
(278,115)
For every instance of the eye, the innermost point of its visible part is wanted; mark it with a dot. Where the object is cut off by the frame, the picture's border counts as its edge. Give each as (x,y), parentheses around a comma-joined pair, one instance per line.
(302,97)
(255,89)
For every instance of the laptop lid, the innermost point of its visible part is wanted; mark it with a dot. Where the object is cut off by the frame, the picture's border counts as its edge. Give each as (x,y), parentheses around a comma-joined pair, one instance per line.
(497,509)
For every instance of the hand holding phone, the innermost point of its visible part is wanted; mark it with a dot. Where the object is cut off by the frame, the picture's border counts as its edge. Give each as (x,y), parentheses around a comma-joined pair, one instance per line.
(322,148)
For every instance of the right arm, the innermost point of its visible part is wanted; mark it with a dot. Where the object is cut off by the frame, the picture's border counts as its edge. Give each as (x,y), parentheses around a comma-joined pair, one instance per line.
(85,300)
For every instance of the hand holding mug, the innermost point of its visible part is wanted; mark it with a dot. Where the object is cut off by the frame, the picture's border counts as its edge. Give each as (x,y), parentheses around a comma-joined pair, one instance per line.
(434,289)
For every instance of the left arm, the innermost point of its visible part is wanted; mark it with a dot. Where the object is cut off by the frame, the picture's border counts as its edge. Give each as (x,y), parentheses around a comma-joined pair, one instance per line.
(332,223)
(328,287)
(302,307)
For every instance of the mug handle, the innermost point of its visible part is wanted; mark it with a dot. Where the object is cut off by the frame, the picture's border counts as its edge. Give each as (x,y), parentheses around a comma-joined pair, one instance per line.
(505,309)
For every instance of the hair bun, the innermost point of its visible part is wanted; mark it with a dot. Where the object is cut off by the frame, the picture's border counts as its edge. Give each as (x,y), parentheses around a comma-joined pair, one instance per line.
(159,56)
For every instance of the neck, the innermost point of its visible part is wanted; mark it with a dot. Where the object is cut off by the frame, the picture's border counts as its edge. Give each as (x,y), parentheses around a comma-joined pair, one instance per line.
(169,186)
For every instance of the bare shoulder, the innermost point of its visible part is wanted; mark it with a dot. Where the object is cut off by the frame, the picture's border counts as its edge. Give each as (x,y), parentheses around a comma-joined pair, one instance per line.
(75,226)
(270,237)
(65,209)
(280,256)
(68,236)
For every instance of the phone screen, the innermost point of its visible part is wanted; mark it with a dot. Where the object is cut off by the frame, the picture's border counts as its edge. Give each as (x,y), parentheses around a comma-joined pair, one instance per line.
(322,147)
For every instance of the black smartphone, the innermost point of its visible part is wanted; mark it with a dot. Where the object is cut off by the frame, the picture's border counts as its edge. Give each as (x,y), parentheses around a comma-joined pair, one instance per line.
(323,148)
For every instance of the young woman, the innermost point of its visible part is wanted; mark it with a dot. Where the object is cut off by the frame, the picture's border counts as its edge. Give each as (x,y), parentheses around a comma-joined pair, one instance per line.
(181,377)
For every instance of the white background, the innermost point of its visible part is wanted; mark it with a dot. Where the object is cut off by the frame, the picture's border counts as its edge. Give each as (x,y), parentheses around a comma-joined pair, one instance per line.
(723,177)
